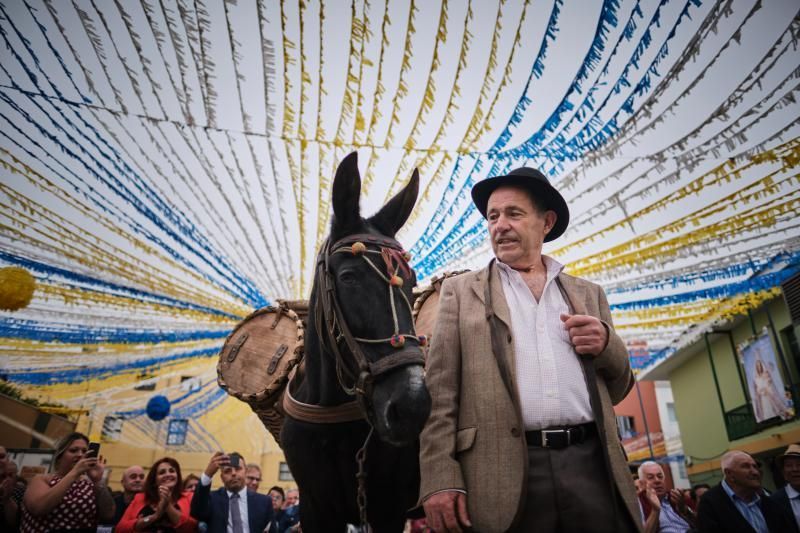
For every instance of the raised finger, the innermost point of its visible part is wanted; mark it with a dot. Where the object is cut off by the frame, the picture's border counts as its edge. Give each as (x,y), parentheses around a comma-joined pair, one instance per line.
(585,340)
(578,320)
(583,330)
(586,349)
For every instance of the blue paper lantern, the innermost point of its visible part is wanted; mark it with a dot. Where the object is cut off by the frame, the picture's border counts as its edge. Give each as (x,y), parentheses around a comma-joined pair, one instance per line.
(158,408)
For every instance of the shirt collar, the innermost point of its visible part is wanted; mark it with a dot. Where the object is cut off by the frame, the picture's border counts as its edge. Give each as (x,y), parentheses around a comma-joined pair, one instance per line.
(791,493)
(732,495)
(242,493)
(553,267)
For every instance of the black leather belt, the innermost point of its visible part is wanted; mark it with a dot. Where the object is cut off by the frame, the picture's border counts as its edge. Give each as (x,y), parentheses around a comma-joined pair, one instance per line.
(559,438)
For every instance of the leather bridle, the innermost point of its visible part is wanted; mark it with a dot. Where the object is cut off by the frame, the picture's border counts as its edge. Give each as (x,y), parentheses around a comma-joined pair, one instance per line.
(357,377)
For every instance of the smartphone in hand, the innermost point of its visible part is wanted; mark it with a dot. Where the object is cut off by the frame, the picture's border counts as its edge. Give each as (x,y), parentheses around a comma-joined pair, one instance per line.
(94,449)
(234,459)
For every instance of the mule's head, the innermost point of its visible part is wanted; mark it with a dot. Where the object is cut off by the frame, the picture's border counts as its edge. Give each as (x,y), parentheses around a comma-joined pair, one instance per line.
(373,287)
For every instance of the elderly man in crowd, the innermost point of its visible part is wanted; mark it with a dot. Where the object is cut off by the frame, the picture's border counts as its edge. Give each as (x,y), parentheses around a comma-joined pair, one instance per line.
(523,371)
(132,484)
(673,515)
(787,499)
(737,503)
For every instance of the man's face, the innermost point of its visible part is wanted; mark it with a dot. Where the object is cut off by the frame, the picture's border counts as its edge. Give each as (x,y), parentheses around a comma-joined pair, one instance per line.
(292,497)
(253,478)
(744,472)
(233,478)
(791,471)
(277,500)
(653,476)
(133,479)
(516,227)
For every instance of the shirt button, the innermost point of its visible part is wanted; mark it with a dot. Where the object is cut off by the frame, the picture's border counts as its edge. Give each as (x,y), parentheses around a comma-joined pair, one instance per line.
(515,432)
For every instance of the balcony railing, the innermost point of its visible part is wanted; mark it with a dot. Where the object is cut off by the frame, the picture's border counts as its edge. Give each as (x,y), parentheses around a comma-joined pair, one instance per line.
(741,422)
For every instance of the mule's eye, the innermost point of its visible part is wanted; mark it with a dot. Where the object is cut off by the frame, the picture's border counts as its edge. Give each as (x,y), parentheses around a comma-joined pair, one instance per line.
(347,277)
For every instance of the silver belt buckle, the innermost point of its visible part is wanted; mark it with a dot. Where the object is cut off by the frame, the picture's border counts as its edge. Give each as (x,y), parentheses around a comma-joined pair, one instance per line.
(545,432)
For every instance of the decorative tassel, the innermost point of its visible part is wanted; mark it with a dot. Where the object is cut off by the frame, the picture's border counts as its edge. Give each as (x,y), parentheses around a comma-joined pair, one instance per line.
(396,281)
(358,248)
(423,340)
(407,256)
(398,341)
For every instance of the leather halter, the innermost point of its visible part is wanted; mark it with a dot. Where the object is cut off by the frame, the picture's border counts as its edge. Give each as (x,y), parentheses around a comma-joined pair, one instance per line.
(332,328)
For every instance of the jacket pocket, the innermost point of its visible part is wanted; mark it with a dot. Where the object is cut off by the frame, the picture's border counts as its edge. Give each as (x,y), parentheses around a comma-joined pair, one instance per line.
(465,438)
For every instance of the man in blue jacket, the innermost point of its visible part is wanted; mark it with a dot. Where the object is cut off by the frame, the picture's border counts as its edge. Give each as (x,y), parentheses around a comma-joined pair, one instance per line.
(232,508)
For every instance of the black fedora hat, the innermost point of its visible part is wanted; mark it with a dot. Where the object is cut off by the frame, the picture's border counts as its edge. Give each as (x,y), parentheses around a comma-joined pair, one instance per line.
(538,185)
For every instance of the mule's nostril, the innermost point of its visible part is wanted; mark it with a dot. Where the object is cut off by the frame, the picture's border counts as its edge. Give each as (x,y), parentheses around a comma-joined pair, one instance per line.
(392,414)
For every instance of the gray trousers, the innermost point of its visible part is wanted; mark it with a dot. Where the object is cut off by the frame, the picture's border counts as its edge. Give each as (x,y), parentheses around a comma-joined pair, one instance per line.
(568,490)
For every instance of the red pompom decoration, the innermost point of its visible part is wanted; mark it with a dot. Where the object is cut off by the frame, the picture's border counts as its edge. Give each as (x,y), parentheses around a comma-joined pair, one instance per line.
(398,341)
(358,248)
(423,340)
(396,281)
(407,256)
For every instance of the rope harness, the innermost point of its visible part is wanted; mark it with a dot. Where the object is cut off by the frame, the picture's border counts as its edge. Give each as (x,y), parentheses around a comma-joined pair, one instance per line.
(334,329)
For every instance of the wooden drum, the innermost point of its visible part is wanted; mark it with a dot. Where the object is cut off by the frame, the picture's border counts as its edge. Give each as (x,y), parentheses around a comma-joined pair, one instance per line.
(256,359)
(426,307)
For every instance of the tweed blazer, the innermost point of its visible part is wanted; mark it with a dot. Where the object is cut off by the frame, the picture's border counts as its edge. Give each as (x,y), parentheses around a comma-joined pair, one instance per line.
(474,439)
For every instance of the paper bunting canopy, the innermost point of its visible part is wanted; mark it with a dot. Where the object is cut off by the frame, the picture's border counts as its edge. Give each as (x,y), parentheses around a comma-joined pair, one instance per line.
(165,167)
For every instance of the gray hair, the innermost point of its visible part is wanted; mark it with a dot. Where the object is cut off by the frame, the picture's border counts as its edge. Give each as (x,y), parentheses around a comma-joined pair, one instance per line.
(729,457)
(646,464)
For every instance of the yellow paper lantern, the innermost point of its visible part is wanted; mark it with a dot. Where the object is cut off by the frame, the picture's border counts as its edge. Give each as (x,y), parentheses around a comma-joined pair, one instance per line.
(16,288)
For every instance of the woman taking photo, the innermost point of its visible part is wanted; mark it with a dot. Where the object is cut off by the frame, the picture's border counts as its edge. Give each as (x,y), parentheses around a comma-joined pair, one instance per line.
(74,497)
(163,506)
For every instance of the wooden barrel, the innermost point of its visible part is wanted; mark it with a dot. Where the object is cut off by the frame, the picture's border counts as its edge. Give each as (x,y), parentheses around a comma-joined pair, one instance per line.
(256,359)
(426,306)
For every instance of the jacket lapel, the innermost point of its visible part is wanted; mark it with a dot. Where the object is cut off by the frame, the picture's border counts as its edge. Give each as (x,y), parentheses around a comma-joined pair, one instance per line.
(225,505)
(499,303)
(576,294)
(503,314)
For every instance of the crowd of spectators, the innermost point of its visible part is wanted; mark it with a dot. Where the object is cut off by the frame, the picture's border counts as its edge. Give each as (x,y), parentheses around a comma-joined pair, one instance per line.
(75,496)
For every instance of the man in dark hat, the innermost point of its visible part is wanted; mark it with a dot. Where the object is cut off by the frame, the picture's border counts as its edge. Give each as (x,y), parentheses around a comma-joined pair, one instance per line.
(787,499)
(524,370)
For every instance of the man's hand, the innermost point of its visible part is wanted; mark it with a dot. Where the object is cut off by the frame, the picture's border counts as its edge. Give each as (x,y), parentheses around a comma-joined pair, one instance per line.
(652,497)
(218,460)
(447,511)
(586,333)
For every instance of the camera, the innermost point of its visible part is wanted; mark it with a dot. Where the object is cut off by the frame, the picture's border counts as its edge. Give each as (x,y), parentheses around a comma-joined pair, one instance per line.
(235,459)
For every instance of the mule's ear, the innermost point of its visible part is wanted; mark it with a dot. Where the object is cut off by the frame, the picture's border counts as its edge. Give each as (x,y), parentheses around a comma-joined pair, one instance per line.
(394,214)
(345,196)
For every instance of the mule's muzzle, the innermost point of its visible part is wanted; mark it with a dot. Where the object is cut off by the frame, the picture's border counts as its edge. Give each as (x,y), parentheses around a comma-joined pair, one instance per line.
(401,405)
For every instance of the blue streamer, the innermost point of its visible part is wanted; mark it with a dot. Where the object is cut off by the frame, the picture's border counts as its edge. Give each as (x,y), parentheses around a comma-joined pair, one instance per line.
(536,72)
(251,293)
(18,328)
(51,376)
(608,18)
(81,280)
(757,283)
(728,272)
